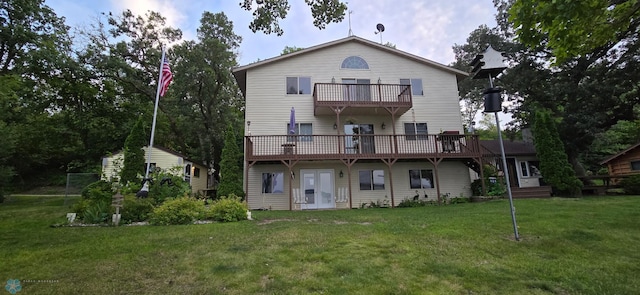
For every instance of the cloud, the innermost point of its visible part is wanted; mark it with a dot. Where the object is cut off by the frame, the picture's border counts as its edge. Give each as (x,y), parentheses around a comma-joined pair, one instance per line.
(170,10)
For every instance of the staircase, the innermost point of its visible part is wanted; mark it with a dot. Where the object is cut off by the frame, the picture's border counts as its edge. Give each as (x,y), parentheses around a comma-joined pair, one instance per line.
(531,192)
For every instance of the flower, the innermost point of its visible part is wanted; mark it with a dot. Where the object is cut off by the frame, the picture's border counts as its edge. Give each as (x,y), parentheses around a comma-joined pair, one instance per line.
(13,286)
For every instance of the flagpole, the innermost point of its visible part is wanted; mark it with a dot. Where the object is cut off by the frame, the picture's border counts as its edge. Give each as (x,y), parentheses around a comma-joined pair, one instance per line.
(144,191)
(155,114)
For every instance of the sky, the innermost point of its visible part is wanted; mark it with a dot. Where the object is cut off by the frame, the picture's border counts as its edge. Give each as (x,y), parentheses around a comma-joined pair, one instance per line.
(425,28)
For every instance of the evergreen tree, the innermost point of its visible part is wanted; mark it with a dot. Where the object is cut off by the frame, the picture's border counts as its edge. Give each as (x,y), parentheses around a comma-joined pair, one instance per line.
(554,163)
(134,162)
(230,171)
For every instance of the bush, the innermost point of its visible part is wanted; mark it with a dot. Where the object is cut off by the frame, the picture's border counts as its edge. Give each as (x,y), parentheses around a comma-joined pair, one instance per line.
(135,210)
(406,203)
(182,210)
(96,212)
(99,190)
(228,209)
(631,185)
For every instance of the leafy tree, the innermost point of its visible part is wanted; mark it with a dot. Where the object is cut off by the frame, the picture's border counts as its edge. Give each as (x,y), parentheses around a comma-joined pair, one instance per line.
(207,100)
(230,171)
(134,162)
(554,163)
(574,28)
(267,13)
(290,49)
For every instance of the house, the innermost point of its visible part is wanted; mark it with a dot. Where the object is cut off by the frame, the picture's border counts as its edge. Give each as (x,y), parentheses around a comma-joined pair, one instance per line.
(523,166)
(624,163)
(350,122)
(193,172)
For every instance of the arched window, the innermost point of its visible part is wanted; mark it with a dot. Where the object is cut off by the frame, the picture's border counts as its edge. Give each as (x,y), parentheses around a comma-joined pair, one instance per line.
(354,62)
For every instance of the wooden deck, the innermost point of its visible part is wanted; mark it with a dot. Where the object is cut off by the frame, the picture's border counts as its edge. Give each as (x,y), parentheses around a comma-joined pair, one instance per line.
(365,147)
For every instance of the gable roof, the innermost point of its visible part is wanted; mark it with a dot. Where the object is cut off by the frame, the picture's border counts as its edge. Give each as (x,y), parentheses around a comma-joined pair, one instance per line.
(240,73)
(511,148)
(620,153)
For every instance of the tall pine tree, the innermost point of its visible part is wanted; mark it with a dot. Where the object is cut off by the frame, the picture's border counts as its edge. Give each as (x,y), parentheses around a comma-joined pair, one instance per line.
(554,163)
(230,170)
(134,163)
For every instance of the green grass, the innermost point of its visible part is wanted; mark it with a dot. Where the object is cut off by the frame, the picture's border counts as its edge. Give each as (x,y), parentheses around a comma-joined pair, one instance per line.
(568,246)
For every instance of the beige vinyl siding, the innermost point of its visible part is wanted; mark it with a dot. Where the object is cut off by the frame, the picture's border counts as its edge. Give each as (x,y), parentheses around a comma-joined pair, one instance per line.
(165,160)
(273,201)
(199,183)
(268,106)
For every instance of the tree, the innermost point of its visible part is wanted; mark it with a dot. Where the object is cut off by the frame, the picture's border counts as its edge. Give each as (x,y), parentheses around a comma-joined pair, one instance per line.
(230,170)
(134,162)
(207,100)
(575,28)
(290,49)
(267,13)
(554,163)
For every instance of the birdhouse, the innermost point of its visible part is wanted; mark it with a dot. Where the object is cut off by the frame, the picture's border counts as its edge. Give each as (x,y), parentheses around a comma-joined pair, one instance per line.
(488,64)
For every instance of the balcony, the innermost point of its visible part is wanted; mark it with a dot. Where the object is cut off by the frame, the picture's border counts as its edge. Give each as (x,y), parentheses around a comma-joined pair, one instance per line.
(366,147)
(361,99)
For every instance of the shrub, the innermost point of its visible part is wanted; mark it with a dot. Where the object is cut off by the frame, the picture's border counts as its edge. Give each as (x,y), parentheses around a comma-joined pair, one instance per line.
(135,210)
(228,209)
(406,203)
(99,190)
(96,212)
(631,185)
(167,185)
(182,210)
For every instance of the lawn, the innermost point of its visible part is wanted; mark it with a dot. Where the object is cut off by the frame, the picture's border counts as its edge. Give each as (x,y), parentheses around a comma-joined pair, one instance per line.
(568,246)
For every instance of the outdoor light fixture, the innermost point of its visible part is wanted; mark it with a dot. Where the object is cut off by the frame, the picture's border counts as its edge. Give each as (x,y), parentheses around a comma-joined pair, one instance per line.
(341,174)
(333,79)
(379,81)
(383,126)
(335,126)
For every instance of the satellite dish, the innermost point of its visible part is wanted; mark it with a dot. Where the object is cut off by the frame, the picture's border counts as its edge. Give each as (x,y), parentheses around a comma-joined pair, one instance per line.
(380,28)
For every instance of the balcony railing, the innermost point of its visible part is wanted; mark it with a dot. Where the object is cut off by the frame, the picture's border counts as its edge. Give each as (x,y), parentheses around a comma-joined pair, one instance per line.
(362,96)
(316,147)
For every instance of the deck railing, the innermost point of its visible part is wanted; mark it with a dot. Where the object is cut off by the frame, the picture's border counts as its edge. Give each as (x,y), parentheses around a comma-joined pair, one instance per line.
(314,147)
(362,94)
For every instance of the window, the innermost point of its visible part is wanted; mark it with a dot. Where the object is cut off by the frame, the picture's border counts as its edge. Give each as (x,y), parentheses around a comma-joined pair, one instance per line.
(371,180)
(530,168)
(196,172)
(187,173)
(416,85)
(421,178)
(416,131)
(354,62)
(635,165)
(301,129)
(152,167)
(298,85)
(272,183)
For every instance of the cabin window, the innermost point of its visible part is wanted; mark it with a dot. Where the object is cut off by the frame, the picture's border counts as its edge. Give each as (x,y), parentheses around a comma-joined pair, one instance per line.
(416,131)
(530,168)
(354,62)
(371,180)
(421,178)
(298,85)
(273,183)
(635,165)
(196,172)
(416,85)
(300,129)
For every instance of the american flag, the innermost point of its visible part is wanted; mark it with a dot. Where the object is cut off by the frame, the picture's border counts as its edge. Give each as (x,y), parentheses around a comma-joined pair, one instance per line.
(166,77)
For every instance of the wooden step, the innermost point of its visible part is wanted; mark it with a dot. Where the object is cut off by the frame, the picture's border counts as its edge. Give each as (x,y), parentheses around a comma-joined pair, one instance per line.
(531,192)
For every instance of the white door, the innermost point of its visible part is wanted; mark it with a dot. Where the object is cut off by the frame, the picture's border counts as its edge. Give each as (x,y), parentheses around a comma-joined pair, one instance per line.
(317,188)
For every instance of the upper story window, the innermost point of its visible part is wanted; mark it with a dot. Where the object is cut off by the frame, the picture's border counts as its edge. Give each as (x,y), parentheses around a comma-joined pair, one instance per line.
(354,62)
(298,85)
(635,165)
(416,85)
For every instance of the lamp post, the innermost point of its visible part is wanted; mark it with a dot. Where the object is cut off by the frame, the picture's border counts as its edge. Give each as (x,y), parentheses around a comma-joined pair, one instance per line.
(488,65)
